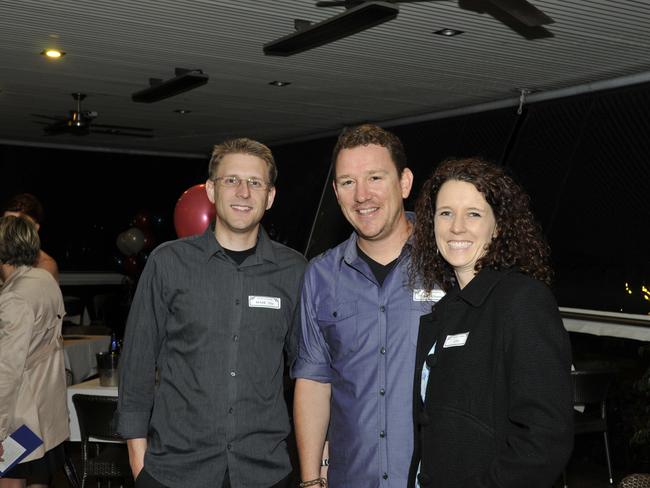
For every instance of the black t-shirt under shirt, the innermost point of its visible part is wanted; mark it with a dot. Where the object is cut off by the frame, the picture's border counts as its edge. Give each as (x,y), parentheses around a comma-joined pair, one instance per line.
(379,270)
(240,256)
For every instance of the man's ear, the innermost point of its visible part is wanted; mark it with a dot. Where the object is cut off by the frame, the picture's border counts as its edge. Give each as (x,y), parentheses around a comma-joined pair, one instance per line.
(336,191)
(209,190)
(406,182)
(270,198)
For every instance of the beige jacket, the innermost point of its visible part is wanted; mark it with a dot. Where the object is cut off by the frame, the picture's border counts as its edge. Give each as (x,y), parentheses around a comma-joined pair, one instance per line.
(32,371)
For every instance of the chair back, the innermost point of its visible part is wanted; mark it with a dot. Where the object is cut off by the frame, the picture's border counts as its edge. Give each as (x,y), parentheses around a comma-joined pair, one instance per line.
(590,386)
(639,480)
(95,414)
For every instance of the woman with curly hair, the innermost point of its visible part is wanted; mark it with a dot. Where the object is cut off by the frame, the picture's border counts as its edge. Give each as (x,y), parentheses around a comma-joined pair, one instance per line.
(492,388)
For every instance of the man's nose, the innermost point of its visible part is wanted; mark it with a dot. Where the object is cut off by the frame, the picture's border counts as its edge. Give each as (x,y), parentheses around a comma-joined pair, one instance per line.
(243,190)
(361,193)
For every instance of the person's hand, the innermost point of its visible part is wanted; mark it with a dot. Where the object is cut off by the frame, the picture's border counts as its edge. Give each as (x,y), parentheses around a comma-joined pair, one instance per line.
(137,448)
(326,455)
(2,451)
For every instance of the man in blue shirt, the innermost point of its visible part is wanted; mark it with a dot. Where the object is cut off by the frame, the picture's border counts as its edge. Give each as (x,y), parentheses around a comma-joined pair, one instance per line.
(359,322)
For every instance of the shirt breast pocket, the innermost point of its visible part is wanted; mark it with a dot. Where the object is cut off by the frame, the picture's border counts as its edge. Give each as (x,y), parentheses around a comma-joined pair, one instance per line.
(339,326)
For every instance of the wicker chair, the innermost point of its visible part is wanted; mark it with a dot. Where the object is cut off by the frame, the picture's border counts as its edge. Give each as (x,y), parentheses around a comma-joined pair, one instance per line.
(103,461)
(635,481)
(590,389)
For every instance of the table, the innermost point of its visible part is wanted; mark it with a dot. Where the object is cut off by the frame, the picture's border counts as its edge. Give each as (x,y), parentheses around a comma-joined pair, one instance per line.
(91,387)
(85,279)
(79,354)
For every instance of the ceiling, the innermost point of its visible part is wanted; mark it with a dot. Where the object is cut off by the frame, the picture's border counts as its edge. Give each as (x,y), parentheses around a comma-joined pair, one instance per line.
(395,70)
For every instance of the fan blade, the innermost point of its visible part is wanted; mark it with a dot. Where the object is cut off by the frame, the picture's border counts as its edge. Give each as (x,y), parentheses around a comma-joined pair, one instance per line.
(524,12)
(115,132)
(49,117)
(120,127)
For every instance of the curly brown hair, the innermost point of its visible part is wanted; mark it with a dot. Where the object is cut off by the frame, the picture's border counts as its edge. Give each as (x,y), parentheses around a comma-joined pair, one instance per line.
(519,242)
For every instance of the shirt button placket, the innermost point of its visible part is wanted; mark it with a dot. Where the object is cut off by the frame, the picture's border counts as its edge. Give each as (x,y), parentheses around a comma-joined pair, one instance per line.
(382,391)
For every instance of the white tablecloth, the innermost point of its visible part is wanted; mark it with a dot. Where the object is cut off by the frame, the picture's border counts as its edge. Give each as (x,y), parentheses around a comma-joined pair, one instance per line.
(79,354)
(91,387)
(639,330)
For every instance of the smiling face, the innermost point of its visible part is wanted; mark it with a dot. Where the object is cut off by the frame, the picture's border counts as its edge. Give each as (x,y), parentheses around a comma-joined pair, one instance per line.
(239,209)
(370,192)
(464,227)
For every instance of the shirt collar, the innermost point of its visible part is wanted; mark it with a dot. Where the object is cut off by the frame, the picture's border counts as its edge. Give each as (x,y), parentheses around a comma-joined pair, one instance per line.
(263,250)
(19,271)
(481,286)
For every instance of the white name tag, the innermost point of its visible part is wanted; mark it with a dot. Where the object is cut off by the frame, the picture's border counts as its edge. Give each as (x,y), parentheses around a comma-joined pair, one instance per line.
(427,296)
(264,302)
(456,340)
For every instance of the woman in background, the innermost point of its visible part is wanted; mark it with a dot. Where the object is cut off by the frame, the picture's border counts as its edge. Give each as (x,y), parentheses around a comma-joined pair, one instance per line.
(492,389)
(32,374)
(27,205)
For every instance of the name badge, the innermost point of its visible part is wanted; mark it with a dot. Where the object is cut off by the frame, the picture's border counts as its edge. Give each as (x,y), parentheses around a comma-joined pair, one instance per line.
(427,296)
(264,302)
(456,340)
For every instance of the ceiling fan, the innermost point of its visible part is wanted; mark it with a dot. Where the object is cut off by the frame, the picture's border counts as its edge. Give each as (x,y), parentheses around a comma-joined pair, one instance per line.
(520,15)
(80,123)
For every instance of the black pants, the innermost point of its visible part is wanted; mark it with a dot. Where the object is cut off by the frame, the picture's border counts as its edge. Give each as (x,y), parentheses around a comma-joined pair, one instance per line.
(145,480)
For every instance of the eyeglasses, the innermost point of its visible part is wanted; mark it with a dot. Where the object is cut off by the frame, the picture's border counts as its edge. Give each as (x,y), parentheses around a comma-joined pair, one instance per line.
(234,182)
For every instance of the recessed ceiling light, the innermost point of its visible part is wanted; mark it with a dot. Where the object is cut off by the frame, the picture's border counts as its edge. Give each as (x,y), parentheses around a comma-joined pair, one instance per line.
(53,53)
(182,111)
(448,32)
(279,83)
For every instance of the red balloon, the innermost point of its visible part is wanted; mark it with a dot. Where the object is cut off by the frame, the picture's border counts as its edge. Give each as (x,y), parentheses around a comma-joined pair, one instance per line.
(131,266)
(193,212)
(149,240)
(141,220)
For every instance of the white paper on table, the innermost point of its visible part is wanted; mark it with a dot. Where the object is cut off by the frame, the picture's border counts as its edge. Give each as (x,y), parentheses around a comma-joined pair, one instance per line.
(13,450)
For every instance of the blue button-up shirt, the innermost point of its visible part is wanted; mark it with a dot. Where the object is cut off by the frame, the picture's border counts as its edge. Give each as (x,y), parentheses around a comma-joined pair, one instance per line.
(361,338)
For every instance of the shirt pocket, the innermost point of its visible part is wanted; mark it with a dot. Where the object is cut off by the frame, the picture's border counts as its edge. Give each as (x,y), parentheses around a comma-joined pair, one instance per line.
(339,325)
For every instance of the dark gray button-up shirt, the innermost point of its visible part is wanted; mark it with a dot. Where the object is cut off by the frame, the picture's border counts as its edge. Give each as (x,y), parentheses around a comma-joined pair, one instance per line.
(215,331)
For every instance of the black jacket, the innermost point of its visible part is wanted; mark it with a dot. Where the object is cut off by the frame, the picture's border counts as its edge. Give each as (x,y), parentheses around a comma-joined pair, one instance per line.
(498,410)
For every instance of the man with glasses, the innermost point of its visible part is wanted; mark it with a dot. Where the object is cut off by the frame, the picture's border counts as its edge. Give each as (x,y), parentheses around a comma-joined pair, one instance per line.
(201,375)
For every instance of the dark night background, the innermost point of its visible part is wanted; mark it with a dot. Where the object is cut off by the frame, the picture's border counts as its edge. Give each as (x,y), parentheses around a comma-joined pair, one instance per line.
(583,160)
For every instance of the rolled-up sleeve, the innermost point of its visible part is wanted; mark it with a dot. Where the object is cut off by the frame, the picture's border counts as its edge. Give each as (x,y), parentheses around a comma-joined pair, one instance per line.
(144,336)
(313,360)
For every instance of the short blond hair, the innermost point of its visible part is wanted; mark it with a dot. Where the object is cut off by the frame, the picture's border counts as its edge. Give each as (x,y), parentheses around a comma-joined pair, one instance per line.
(19,241)
(243,145)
